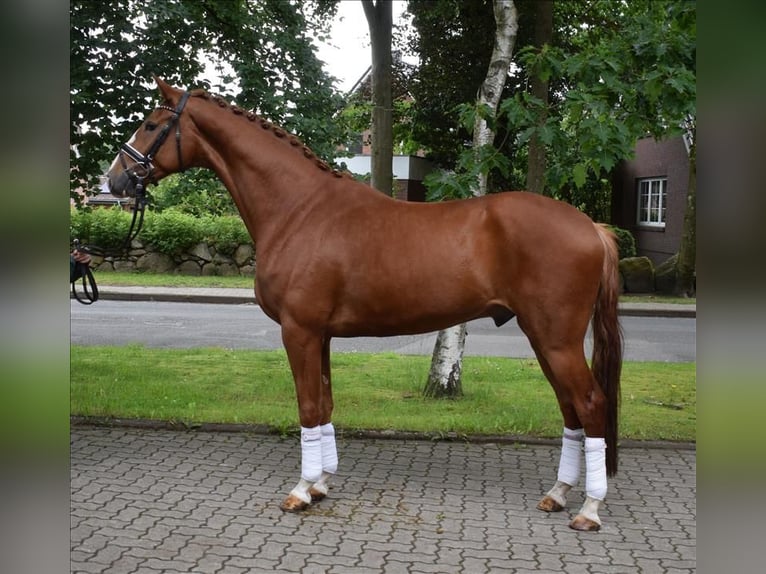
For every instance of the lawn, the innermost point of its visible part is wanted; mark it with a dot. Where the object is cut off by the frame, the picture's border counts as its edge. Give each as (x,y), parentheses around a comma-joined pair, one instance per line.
(372,392)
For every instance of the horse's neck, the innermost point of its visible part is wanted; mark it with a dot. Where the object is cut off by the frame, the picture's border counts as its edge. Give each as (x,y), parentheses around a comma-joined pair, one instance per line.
(267,178)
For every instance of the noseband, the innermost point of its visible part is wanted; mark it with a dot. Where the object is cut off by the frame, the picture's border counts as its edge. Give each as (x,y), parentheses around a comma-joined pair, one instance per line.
(144,162)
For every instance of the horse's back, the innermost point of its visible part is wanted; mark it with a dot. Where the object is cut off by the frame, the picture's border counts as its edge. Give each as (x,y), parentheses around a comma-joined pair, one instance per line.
(423,267)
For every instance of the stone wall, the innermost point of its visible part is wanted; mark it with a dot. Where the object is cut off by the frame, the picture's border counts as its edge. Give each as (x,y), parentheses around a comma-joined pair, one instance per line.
(202,259)
(639,275)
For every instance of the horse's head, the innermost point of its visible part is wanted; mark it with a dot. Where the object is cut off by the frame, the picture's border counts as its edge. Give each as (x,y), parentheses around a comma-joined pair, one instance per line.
(155,149)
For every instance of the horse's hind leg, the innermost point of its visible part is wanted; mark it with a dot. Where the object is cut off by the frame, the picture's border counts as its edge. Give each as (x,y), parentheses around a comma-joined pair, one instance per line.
(555,500)
(583,407)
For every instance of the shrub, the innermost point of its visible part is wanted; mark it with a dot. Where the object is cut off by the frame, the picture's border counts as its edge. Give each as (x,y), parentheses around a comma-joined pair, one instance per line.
(626,243)
(79,225)
(172,232)
(105,229)
(226,233)
(197,192)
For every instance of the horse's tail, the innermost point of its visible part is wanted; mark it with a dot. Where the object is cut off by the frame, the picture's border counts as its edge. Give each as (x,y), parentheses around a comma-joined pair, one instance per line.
(607,342)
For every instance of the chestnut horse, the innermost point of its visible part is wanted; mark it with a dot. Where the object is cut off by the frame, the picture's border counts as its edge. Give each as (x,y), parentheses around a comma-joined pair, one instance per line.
(333,255)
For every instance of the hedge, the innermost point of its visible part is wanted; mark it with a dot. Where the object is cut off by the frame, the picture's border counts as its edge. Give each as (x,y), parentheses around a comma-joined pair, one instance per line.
(626,243)
(170,232)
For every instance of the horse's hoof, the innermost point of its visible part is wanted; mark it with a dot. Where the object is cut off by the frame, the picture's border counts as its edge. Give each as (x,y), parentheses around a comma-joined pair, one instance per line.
(293,504)
(316,494)
(548,504)
(584,524)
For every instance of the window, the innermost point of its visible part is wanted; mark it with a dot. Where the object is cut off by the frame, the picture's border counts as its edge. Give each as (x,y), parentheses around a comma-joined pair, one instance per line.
(652,199)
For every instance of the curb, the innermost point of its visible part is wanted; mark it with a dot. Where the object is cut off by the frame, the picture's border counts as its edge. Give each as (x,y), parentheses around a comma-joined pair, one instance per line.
(232,299)
(259,429)
(247,297)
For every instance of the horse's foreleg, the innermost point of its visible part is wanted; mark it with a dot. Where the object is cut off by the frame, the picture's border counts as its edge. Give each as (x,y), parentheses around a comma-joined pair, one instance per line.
(304,351)
(309,357)
(321,487)
(329,450)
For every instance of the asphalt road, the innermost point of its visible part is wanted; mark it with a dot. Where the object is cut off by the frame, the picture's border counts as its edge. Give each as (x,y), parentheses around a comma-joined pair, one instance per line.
(186,325)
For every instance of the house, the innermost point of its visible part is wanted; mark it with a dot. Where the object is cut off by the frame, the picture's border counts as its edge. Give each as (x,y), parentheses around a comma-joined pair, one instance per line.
(649,195)
(408,170)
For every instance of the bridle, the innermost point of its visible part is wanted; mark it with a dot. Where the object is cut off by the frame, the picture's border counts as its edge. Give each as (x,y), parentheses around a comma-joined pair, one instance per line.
(144,162)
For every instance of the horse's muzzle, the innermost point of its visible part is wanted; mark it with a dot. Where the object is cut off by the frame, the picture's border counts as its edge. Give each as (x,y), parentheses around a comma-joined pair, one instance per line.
(121,184)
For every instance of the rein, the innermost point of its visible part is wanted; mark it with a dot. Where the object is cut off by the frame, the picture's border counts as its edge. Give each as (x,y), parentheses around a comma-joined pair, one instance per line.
(141,170)
(82,271)
(144,161)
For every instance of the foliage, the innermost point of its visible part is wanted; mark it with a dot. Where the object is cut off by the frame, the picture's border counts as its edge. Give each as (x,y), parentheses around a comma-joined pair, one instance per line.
(358,114)
(226,233)
(443,185)
(617,72)
(626,243)
(106,229)
(197,192)
(79,225)
(261,52)
(471,162)
(633,79)
(448,32)
(171,231)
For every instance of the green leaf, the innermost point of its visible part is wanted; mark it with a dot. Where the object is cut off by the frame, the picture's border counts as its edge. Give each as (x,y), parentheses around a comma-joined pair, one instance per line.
(579,173)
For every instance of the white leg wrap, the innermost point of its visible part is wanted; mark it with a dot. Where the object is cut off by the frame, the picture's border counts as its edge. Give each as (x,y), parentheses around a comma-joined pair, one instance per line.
(595,468)
(571,454)
(329,449)
(311,453)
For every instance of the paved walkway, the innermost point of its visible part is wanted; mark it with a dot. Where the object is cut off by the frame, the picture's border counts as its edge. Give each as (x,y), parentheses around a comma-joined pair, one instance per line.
(161,501)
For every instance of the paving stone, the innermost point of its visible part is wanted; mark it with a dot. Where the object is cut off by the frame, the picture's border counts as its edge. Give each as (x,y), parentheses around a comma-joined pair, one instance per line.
(149,501)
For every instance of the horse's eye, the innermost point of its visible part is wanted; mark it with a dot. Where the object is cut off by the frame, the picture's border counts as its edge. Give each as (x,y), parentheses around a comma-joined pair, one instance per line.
(150,126)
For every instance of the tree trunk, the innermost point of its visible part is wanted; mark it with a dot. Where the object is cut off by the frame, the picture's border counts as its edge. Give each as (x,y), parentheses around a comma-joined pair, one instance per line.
(537,157)
(445,376)
(380,22)
(687,252)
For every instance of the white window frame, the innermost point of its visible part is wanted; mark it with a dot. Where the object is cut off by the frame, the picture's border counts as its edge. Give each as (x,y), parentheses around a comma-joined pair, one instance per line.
(652,202)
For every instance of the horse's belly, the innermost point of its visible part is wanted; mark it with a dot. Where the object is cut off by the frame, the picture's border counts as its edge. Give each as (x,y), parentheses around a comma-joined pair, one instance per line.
(402,320)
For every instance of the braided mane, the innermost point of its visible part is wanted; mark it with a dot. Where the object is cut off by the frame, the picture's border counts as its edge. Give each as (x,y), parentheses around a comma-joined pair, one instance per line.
(274,129)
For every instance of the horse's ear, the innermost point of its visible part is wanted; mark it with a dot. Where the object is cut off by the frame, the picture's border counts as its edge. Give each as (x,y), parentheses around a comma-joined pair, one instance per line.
(166,90)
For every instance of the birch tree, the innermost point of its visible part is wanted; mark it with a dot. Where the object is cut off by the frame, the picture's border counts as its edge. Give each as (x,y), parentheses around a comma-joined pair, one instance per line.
(445,375)
(380,21)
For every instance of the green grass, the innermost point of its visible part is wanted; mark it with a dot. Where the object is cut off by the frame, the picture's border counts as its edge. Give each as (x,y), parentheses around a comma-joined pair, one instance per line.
(171,280)
(371,391)
(168,280)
